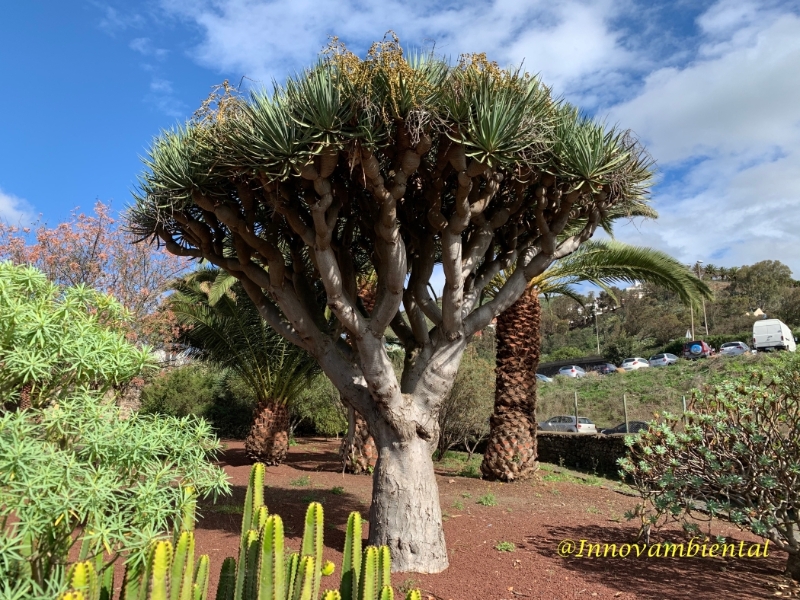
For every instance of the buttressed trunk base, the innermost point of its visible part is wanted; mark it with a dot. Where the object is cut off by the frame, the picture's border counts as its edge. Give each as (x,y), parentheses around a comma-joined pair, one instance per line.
(358,452)
(405,513)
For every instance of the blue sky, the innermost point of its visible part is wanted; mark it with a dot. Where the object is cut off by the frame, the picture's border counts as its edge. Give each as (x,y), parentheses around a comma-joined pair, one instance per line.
(712,88)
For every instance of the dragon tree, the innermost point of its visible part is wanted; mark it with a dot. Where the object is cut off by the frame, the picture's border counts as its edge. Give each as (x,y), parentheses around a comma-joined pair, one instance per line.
(403,162)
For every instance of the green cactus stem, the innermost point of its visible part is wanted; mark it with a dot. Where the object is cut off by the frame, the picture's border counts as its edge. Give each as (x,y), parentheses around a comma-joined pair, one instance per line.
(292,568)
(182,568)
(351,561)
(227,580)
(201,572)
(253,501)
(250,566)
(82,578)
(384,568)
(368,581)
(313,542)
(158,571)
(387,593)
(305,579)
(271,570)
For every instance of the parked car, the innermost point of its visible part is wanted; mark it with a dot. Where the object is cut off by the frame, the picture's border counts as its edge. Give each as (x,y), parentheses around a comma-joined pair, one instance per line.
(772,334)
(567,423)
(633,427)
(734,348)
(605,369)
(572,371)
(663,360)
(543,378)
(632,364)
(697,349)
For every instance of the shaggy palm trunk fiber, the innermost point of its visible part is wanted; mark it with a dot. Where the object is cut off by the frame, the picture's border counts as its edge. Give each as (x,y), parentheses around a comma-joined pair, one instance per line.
(268,440)
(358,452)
(511,451)
(405,507)
(25,397)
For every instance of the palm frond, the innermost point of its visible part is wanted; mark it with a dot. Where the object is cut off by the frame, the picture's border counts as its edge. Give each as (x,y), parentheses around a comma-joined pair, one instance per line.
(232,334)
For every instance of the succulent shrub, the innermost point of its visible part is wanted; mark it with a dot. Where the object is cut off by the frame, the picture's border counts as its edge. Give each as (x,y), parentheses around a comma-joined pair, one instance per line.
(735,454)
(73,473)
(54,338)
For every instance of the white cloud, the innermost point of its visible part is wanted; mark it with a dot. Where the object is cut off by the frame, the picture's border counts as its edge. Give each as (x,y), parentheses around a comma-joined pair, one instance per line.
(114,21)
(15,210)
(726,131)
(571,43)
(716,104)
(145,47)
(162,96)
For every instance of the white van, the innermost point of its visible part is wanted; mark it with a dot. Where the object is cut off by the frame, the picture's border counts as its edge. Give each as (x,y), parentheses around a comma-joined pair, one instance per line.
(772,334)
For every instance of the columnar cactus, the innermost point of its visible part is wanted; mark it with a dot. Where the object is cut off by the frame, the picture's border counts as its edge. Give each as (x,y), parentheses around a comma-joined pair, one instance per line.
(253,502)
(262,572)
(82,578)
(351,561)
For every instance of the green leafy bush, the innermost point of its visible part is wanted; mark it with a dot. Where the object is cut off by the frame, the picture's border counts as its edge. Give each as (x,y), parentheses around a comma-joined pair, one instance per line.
(226,400)
(77,466)
(319,405)
(186,390)
(736,454)
(72,471)
(54,338)
(464,414)
(204,390)
(564,353)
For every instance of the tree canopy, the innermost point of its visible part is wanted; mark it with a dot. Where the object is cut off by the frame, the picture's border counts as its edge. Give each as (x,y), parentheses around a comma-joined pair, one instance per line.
(404,159)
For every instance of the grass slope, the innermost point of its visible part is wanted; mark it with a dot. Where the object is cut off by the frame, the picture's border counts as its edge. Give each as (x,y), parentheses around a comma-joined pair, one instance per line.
(648,391)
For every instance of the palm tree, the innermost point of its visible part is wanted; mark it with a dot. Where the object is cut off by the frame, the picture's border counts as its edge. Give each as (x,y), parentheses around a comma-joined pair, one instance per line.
(221,324)
(511,451)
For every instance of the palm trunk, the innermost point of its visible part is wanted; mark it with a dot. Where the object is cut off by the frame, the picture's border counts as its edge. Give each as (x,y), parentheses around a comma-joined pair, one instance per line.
(358,452)
(511,451)
(405,513)
(25,397)
(268,440)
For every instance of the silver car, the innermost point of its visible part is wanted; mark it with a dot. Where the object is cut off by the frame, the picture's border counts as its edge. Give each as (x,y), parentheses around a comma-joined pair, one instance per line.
(633,364)
(567,423)
(734,348)
(663,360)
(572,371)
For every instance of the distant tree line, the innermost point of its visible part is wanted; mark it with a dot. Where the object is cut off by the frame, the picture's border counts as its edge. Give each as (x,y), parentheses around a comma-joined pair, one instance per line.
(647,319)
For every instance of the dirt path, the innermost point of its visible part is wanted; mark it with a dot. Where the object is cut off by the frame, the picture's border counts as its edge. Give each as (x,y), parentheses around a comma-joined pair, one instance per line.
(530,519)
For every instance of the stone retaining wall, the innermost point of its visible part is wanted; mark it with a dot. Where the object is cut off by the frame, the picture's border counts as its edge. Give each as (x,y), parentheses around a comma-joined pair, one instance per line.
(582,451)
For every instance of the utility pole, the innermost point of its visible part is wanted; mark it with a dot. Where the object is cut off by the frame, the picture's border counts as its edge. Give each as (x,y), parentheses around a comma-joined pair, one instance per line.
(596,327)
(703,300)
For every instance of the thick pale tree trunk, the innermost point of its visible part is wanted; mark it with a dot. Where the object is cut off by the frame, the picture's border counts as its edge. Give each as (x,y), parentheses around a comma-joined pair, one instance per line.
(358,451)
(268,440)
(511,451)
(405,513)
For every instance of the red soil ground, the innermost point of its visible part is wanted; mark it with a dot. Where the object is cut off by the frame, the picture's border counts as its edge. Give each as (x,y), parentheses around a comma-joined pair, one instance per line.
(534,516)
